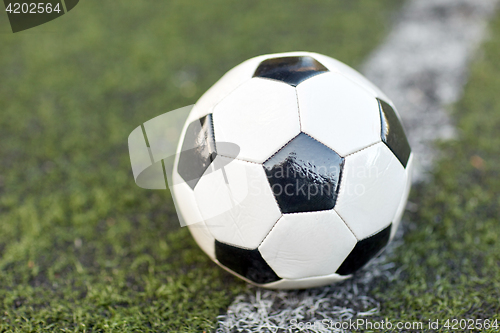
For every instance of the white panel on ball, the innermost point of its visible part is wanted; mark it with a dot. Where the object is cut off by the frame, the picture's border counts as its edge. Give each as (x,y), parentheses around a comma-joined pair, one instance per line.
(370,192)
(305,245)
(230,209)
(338,112)
(260,116)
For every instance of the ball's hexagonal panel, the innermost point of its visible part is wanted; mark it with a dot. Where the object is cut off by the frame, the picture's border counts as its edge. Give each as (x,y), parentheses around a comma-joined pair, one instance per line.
(372,185)
(402,204)
(336,66)
(236,202)
(364,251)
(260,116)
(292,70)
(307,244)
(247,263)
(304,175)
(198,150)
(393,134)
(338,112)
(226,84)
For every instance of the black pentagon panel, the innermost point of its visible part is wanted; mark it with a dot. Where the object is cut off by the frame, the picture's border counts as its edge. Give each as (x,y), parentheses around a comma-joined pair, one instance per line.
(198,150)
(247,263)
(291,70)
(304,175)
(393,134)
(365,250)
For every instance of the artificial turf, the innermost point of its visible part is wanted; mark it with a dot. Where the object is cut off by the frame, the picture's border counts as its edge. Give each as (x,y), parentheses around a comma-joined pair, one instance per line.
(450,259)
(82,248)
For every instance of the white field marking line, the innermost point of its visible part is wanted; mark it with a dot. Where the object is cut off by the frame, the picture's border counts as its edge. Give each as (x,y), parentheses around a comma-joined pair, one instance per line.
(422,66)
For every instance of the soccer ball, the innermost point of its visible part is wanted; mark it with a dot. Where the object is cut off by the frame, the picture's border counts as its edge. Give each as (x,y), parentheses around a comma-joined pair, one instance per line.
(292,171)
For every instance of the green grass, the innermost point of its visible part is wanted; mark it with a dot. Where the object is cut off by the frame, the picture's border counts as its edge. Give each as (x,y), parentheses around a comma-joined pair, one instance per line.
(451,255)
(82,248)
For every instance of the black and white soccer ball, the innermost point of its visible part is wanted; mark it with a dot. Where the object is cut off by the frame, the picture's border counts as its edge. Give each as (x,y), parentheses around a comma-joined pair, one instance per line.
(292,171)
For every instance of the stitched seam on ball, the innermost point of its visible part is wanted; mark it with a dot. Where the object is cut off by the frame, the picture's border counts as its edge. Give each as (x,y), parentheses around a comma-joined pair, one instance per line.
(367,89)
(281,148)
(348,227)
(298,108)
(274,225)
(344,169)
(341,169)
(357,151)
(239,159)
(212,109)
(229,93)
(327,146)
(274,197)
(376,232)
(336,201)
